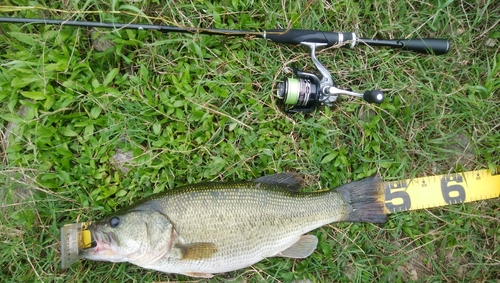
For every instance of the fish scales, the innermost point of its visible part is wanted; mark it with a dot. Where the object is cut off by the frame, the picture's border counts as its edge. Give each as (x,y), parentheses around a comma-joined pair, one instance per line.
(246,220)
(208,228)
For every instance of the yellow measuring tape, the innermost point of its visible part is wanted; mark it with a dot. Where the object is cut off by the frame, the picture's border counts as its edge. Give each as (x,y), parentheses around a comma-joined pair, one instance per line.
(441,190)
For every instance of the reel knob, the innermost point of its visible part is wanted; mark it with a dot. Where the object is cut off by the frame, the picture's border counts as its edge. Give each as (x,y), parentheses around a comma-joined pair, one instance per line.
(374,96)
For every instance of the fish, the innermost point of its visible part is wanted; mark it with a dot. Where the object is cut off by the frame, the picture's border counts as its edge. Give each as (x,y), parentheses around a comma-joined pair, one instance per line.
(208,228)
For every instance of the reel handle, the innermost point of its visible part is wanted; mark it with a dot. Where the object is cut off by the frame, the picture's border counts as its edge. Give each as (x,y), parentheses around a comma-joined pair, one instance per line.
(370,96)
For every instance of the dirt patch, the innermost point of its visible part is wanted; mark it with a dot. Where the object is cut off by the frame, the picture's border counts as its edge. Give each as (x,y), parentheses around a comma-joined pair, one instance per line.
(459,151)
(121,159)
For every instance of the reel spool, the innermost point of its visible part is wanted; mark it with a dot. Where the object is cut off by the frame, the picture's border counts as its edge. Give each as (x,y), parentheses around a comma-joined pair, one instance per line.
(307,91)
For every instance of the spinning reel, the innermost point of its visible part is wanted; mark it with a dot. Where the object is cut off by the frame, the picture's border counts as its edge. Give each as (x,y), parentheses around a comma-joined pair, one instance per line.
(307,91)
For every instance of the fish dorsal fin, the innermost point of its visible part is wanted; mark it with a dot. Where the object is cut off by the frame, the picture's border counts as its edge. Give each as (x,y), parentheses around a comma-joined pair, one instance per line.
(304,247)
(196,251)
(290,181)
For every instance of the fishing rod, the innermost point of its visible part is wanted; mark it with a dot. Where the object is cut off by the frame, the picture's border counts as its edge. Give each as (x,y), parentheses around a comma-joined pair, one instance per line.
(307,90)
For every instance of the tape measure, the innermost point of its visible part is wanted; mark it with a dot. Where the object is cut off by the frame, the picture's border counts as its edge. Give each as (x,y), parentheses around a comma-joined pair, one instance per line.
(441,190)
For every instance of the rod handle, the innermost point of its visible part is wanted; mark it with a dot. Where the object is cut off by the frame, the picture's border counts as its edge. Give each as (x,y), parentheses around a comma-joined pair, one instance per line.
(297,36)
(436,46)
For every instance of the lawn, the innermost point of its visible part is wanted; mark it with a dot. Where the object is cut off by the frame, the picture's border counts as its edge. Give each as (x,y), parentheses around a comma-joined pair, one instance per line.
(95,119)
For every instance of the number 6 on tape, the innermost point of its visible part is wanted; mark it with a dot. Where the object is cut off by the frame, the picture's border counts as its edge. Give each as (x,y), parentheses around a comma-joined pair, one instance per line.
(441,190)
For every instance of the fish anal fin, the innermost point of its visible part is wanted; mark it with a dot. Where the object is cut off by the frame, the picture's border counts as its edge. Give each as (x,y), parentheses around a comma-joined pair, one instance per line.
(198,274)
(303,248)
(196,251)
(288,180)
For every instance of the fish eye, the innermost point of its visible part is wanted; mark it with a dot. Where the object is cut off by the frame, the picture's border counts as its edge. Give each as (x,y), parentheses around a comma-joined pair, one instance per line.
(114,222)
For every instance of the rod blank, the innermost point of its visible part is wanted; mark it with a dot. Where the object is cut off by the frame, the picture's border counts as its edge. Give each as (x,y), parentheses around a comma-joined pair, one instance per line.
(227,32)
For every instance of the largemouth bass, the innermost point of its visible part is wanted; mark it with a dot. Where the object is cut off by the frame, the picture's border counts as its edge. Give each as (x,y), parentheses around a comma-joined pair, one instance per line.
(202,229)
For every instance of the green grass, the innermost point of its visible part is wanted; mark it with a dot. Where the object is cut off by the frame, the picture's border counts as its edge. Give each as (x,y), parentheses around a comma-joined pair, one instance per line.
(191,108)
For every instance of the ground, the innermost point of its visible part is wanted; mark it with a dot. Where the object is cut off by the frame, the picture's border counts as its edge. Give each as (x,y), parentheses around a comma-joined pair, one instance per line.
(95,119)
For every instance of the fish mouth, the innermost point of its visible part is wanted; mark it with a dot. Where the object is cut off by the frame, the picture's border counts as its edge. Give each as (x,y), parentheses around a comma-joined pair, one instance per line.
(101,244)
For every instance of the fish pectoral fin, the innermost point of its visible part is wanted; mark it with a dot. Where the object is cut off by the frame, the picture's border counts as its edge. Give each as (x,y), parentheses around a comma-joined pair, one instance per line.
(304,247)
(196,251)
(289,181)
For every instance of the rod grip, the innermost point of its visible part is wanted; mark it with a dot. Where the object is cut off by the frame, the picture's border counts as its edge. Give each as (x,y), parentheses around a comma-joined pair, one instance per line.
(296,36)
(435,46)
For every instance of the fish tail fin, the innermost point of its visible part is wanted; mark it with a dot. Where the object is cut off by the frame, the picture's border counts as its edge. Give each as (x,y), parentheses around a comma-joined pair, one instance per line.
(365,199)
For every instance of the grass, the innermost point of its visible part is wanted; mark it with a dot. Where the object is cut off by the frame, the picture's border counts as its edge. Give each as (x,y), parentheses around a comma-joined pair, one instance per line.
(190,108)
